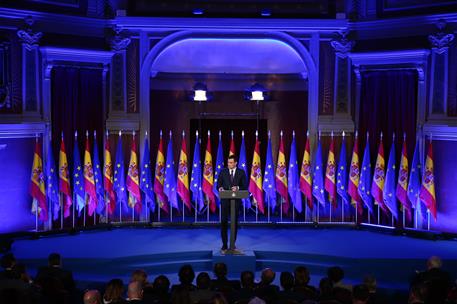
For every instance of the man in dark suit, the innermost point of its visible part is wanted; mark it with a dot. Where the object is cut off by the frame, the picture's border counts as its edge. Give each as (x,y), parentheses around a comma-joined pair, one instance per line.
(55,272)
(230,179)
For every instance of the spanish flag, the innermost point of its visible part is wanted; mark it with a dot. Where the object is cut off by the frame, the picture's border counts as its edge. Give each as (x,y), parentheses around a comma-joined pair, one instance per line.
(379,175)
(255,183)
(232,150)
(306,181)
(402,183)
(208,176)
(37,184)
(133,181)
(183,175)
(330,170)
(108,178)
(64,179)
(89,182)
(427,192)
(354,177)
(160,177)
(281,176)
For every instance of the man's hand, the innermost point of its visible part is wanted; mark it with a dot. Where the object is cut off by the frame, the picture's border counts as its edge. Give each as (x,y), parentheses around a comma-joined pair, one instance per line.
(221,189)
(234,188)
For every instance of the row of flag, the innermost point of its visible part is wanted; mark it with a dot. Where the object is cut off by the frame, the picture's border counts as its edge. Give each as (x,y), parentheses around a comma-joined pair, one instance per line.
(101,188)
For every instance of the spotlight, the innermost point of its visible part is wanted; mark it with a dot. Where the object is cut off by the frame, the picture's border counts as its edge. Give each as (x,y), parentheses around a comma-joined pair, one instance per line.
(200,93)
(198,11)
(265,12)
(256,92)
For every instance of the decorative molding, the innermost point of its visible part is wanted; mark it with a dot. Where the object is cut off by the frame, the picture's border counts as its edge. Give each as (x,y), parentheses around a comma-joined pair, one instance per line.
(328,123)
(29,39)
(440,40)
(119,42)
(123,122)
(20,129)
(55,54)
(441,129)
(406,57)
(342,45)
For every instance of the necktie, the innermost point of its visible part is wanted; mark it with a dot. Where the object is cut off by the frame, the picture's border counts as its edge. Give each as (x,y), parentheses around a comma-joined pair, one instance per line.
(231,175)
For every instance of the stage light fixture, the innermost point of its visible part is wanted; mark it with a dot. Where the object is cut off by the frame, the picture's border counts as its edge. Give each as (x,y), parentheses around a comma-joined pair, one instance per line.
(265,12)
(200,93)
(256,92)
(198,11)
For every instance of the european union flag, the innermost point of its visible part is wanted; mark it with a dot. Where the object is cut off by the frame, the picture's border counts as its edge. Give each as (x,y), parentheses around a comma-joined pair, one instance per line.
(119,177)
(78,179)
(318,186)
(52,185)
(170,177)
(293,179)
(196,177)
(414,185)
(342,175)
(146,177)
(389,196)
(219,166)
(98,178)
(242,164)
(365,179)
(269,184)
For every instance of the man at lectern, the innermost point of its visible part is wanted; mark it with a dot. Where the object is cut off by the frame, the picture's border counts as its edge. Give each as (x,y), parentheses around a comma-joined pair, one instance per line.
(230,179)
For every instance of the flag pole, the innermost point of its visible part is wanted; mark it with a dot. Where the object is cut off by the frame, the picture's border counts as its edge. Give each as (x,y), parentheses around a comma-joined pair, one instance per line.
(35,202)
(356,212)
(342,200)
(120,203)
(61,203)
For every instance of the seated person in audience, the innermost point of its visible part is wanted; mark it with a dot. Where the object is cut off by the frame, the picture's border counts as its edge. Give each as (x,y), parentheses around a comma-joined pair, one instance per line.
(92,297)
(247,291)
(266,290)
(302,278)
(8,261)
(114,292)
(203,294)
(419,293)
(341,291)
(287,294)
(218,299)
(221,283)
(186,278)
(438,281)
(140,276)
(135,292)
(360,294)
(326,292)
(17,287)
(160,291)
(375,296)
(55,270)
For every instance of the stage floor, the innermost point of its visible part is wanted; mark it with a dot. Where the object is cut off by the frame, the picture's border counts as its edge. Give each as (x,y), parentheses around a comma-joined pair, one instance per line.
(97,256)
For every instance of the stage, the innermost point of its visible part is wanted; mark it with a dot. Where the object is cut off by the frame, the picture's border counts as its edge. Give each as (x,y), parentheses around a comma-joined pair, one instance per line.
(99,255)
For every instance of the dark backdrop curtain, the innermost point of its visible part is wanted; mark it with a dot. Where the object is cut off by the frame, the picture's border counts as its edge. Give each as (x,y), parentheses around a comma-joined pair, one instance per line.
(76,105)
(388,103)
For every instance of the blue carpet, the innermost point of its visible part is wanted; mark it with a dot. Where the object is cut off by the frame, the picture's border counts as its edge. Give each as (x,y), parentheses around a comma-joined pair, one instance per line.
(98,256)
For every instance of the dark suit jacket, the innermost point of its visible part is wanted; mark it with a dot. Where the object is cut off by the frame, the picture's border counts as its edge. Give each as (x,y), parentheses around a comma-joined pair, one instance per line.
(62,275)
(240,180)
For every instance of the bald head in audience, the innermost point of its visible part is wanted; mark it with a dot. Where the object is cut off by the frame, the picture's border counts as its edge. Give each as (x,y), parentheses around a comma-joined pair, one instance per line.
(92,297)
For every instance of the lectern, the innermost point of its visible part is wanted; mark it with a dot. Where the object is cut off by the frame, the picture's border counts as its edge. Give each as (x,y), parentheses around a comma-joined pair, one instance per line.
(232,196)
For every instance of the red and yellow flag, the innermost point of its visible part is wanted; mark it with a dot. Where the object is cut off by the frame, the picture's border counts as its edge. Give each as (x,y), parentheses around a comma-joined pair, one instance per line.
(89,182)
(37,184)
(281,176)
(427,192)
(159,177)
(232,150)
(183,175)
(208,176)
(379,176)
(306,181)
(255,182)
(108,178)
(133,179)
(64,179)
(330,185)
(402,184)
(354,177)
